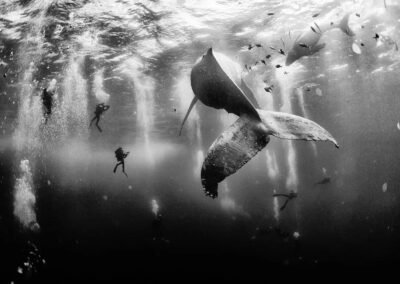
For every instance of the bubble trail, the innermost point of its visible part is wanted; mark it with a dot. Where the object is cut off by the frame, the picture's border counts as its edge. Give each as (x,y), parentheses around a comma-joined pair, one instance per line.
(25,199)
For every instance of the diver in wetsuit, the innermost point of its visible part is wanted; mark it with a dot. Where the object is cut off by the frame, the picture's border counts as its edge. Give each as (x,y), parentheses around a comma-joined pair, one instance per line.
(289,196)
(47,101)
(120,155)
(100,109)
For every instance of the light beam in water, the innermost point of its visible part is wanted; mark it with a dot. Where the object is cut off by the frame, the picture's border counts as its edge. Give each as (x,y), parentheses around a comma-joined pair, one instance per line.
(98,88)
(143,89)
(286,83)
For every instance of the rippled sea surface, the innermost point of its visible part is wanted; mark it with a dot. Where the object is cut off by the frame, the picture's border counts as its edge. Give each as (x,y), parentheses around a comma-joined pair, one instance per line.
(65,216)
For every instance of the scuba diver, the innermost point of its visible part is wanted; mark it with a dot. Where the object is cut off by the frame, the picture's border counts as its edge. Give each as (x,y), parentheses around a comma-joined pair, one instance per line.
(100,108)
(47,101)
(121,155)
(289,196)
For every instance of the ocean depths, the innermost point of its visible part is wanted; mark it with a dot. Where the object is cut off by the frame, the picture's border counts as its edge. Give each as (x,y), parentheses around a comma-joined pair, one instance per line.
(64,214)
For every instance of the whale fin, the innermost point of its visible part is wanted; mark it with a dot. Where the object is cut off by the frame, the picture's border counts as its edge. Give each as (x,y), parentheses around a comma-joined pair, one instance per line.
(246,137)
(215,88)
(230,151)
(316,48)
(344,25)
(195,99)
(289,126)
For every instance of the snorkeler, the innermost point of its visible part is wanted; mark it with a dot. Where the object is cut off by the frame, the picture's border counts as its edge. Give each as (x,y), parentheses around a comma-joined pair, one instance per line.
(289,196)
(100,108)
(120,155)
(47,101)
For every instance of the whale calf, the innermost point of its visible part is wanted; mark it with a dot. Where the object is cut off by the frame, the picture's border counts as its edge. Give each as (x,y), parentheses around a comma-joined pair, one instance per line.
(217,86)
(308,42)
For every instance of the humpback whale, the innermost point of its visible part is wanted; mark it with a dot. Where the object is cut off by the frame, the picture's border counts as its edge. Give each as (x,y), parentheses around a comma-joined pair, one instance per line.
(308,42)
(217,82)
(216,85)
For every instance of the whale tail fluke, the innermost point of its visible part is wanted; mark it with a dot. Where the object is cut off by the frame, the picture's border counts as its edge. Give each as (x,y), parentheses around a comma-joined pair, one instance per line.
(246,137)
(344,25)
(230,151)
(187,113)
(288,126)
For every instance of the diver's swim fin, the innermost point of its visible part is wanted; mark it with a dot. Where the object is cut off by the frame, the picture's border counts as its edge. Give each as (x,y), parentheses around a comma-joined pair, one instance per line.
(195,99)
(246,137)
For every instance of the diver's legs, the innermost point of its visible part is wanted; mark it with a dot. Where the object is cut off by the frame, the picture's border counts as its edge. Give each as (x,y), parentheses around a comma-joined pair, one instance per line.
(116,166)
(123,168)
(93,119)
(97,124)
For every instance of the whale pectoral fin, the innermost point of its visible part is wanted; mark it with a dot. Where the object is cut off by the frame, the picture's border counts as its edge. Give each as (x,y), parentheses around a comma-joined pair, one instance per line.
(317,48)
(195,99)
(230,151)
(344,25)
(289,126)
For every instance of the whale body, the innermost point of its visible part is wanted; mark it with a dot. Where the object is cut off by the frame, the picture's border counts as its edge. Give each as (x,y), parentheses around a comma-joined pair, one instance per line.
(308,42)
(251,132)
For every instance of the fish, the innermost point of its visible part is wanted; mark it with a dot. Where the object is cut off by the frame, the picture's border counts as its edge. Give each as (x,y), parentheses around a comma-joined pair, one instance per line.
(268,56)
(217,84)
(318,27)
(376,37)
(313,30)
(358,15)
(278,66)
(315,15)
(281,51)
(258,45)
(263,61)
(269,88)
(271,14)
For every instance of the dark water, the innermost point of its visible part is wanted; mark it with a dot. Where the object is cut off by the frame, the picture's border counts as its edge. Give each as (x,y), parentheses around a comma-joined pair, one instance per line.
(65,217)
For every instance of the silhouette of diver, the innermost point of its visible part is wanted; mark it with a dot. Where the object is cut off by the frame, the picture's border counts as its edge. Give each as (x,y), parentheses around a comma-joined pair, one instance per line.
(121,155)
(47,101)
(100,108)
(289,196)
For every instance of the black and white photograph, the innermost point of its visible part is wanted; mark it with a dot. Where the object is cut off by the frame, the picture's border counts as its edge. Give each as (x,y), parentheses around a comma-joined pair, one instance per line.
(141,141)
